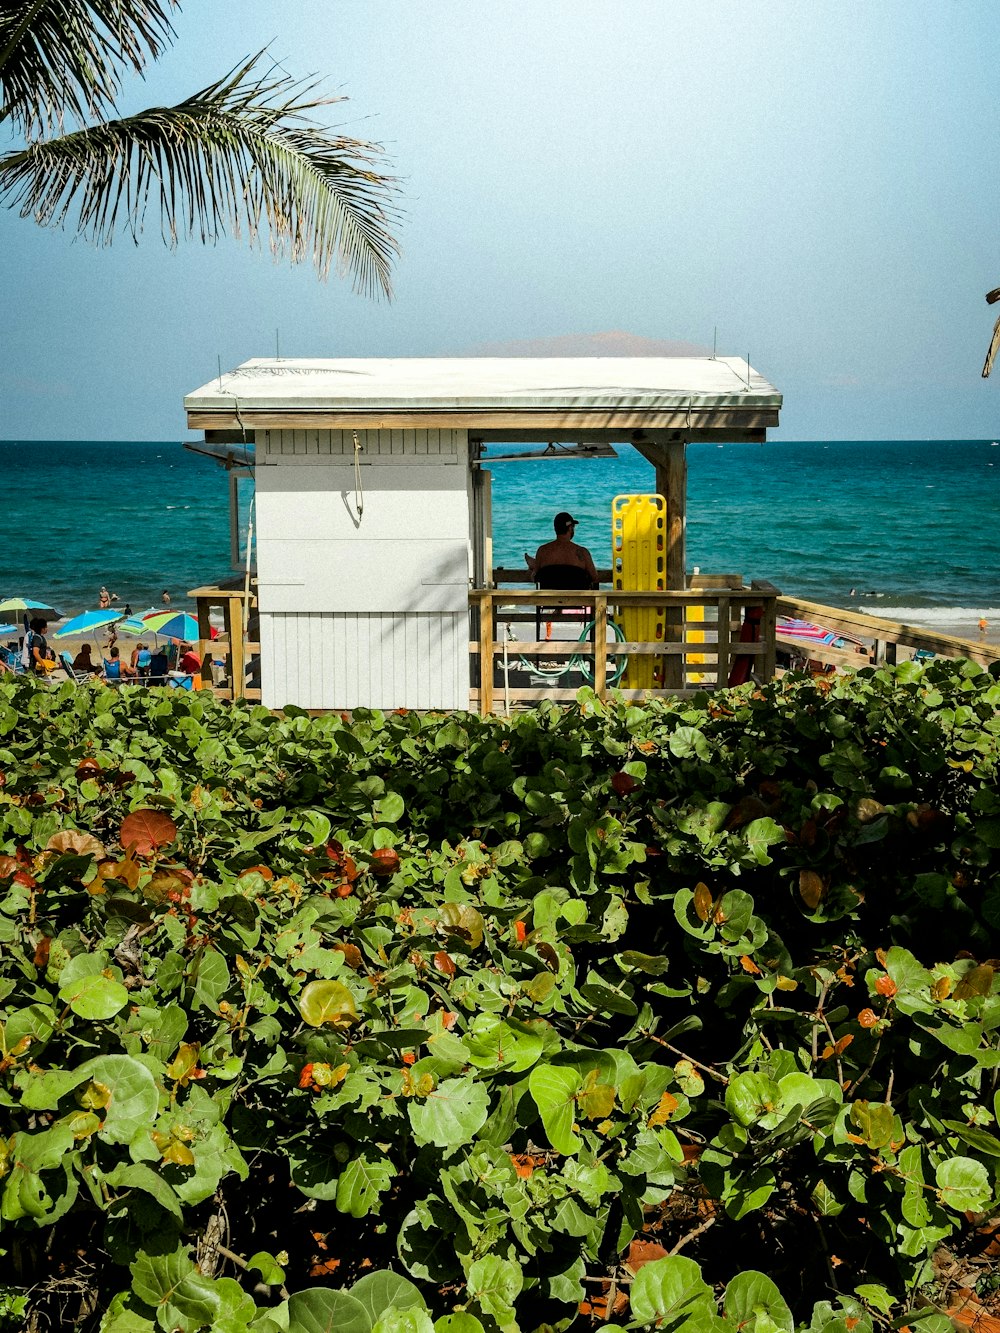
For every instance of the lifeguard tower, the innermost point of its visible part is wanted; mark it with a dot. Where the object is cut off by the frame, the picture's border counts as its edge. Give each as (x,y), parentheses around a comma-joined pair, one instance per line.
(374,575)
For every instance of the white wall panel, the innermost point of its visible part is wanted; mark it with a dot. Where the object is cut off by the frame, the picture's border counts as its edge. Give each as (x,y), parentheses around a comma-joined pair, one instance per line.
(369,660)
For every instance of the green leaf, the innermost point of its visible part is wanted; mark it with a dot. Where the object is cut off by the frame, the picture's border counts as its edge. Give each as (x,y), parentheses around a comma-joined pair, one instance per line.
(452,1114)
(94,996)
(327,1002)
(752,1300)
(138,1176)
(322,1310)
(382,1291)
(389,810)
(361,1182)
(155,1277)
(749,1096)
(670,1291)
(458,1323)
(133,1096)
(494,1044)
(760,834)
(964,1184)
(405,1321)
(271,1272)
(553,1090)
(495,1284)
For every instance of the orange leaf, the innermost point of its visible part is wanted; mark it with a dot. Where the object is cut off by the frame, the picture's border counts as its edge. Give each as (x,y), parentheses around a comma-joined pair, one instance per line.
(702,901)
(748,965)
(867,1018)
(520,931)
(885,985)
(146,830)
(668,1104)
(811,889)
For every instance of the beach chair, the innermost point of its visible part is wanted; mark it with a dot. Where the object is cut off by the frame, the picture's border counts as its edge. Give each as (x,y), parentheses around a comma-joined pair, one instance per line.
(10,661)
(78,677)
(561,577)
(112,672)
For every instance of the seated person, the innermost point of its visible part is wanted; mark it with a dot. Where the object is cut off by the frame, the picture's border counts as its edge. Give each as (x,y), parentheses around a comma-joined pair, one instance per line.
(190,662)
(563,559)
(116,669)
(84,662)
(141,657)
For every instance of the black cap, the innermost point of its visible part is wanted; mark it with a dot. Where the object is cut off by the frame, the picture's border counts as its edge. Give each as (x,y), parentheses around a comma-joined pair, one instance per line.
(563,522)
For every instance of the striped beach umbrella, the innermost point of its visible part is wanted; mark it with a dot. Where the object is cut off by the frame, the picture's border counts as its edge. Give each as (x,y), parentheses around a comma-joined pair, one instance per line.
(86,622)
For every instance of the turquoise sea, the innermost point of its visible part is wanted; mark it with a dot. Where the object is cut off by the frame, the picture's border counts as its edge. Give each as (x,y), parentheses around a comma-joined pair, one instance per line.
(911,526)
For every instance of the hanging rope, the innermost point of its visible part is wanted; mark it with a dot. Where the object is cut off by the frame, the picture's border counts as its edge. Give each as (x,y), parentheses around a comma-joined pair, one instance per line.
(359,494)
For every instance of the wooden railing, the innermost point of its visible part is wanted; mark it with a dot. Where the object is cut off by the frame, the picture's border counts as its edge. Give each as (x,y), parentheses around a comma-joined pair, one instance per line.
(700,644)
(883,638)
(232,646)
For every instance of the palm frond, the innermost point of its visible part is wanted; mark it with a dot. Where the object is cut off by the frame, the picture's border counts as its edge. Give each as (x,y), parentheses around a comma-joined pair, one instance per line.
(992,352)
(241,154)
(62,59)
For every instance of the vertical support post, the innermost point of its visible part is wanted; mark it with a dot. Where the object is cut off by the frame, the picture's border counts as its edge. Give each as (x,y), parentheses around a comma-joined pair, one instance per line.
(486,653)
(600,641)
(724,635)
(205,644)
(237,651)
(671,483)
(768,632)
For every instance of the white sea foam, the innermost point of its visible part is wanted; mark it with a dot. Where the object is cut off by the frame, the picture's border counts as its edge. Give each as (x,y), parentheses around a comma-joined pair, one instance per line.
(932,615)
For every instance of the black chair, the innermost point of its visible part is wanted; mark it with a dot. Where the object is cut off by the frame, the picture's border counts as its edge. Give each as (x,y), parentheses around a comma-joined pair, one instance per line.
(561,577)
(158,667)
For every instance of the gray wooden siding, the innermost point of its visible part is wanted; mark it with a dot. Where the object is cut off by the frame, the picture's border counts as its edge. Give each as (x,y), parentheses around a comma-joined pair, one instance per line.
(374,443)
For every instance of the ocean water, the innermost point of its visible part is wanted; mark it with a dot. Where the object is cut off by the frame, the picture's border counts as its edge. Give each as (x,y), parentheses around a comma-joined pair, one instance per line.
(910,526)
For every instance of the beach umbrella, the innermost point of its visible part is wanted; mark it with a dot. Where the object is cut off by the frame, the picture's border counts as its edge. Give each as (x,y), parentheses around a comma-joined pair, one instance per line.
(133,625)
(173,625)
(29,608)
(7,629)
(85,622)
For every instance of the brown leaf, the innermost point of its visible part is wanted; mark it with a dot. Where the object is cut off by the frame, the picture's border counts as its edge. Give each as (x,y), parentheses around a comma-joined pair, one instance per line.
(72,840)
(8,866)
(352,954)
(702,901)
(811,888)
(146,830)
(642,1252)
(548,955)
(977,982)
(445,963)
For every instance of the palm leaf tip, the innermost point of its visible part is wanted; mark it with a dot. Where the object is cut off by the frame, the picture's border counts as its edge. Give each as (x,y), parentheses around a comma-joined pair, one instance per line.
(64,59)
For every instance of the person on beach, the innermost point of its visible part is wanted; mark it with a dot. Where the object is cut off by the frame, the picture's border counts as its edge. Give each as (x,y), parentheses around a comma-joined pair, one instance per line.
(40,660)
(116,669)
(84,662)
(105,598)
(190,662)
(141,658)
(165,597)
(564,552)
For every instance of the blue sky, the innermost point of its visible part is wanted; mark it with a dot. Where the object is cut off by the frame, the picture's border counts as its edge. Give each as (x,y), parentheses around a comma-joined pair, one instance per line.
(817,182)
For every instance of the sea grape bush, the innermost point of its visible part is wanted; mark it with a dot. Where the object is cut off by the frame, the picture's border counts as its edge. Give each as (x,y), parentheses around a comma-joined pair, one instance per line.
(400,1021)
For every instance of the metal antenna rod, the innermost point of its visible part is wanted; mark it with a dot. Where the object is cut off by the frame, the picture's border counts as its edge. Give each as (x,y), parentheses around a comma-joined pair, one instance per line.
(220,370)
(277,346)
(748,370)
(715,341)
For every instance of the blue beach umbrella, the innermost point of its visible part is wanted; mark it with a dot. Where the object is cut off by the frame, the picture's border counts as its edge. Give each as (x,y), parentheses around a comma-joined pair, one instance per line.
(7,629)
(85,622)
